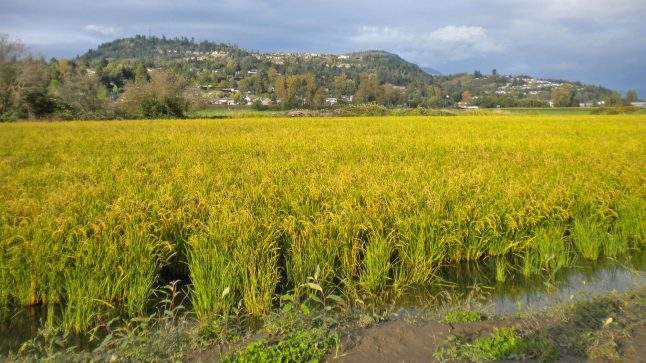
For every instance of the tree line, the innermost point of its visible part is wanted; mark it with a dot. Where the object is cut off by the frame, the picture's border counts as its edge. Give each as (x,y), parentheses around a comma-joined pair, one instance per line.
(31,87)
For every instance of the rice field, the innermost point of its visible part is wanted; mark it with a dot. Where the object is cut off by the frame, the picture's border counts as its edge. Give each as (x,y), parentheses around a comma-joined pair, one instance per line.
(97,215)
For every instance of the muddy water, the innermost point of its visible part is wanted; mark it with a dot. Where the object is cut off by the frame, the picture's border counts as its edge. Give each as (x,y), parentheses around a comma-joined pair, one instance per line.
(478,283)
(575,285)
(514,294)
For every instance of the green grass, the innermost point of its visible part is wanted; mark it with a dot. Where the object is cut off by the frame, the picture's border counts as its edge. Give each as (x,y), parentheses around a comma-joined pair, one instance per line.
(300,346)
(460,316)
(96,215)
(501,344)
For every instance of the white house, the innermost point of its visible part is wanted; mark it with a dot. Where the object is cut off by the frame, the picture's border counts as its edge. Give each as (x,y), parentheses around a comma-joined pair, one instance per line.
(467,106)
(331,101)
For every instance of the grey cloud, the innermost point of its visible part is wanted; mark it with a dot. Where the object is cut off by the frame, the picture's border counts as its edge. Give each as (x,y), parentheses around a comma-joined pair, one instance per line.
(596,41)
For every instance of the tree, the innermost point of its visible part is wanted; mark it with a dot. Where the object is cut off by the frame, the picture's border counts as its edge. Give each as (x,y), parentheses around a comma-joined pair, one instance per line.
(631,96)
(160,97)
(563,96)
(494,72)
(30,96)
(467,96)
(252,84)
(614,99)
(141,73)
(477,74)
(299,90)
(314,94)
(280,90)
(368,90)
(83,96)
(342,86)
(10,52)
(390,96)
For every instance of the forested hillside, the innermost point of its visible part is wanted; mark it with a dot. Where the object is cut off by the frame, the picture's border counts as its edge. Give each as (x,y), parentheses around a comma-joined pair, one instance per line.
(157,76)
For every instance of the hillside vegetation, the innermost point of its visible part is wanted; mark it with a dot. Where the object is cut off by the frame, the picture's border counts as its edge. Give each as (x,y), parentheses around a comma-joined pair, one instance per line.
(151,77)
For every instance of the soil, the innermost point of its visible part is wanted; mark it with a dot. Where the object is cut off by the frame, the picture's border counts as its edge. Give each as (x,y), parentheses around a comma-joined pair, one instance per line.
(402,341)
(405,341)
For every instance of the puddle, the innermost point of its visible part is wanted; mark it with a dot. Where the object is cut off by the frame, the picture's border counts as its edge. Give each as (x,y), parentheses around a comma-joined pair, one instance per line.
(576,284)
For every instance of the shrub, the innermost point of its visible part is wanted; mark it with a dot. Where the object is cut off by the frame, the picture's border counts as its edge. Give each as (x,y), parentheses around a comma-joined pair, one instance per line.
(364,109)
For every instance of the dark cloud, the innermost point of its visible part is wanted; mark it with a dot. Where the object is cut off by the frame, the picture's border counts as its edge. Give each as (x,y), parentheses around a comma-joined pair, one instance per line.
(595,41)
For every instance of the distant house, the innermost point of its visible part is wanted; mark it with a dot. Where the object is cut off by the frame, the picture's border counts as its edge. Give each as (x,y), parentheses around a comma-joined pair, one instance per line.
(331,101)
(638,104)
(467,106)
(225,102)
(343,56)
(586,104)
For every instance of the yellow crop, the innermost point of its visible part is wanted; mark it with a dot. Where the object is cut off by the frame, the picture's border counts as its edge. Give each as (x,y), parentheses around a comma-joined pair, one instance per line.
(98,214)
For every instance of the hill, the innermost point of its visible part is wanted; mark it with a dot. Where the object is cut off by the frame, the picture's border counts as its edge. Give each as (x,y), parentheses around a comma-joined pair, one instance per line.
(194,59)
(216,70)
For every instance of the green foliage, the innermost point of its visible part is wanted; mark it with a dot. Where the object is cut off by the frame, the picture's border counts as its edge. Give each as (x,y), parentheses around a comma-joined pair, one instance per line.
(614,99)
(631,96)
(460,316)
(364,109)
(301,346)
(160,97)
(101,83)
(153,108)
(563,96)
(502,344)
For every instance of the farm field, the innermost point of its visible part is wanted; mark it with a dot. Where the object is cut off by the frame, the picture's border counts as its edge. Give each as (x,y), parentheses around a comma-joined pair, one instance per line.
(99,215)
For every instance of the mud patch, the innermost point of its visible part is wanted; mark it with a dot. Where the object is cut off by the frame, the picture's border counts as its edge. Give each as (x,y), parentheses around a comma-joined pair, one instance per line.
(405,341)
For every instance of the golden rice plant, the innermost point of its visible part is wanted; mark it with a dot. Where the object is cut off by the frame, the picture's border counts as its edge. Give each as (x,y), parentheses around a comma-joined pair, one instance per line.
(94,216)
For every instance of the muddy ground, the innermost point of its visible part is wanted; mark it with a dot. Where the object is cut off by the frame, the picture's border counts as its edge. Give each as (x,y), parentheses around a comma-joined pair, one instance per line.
(580,332)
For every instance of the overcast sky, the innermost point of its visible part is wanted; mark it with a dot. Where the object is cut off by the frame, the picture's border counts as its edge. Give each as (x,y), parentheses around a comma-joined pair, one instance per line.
(595,41)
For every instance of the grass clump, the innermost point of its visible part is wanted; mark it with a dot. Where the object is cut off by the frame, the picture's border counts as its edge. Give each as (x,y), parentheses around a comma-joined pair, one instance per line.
(462,316)
(503,343)
(300,346)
